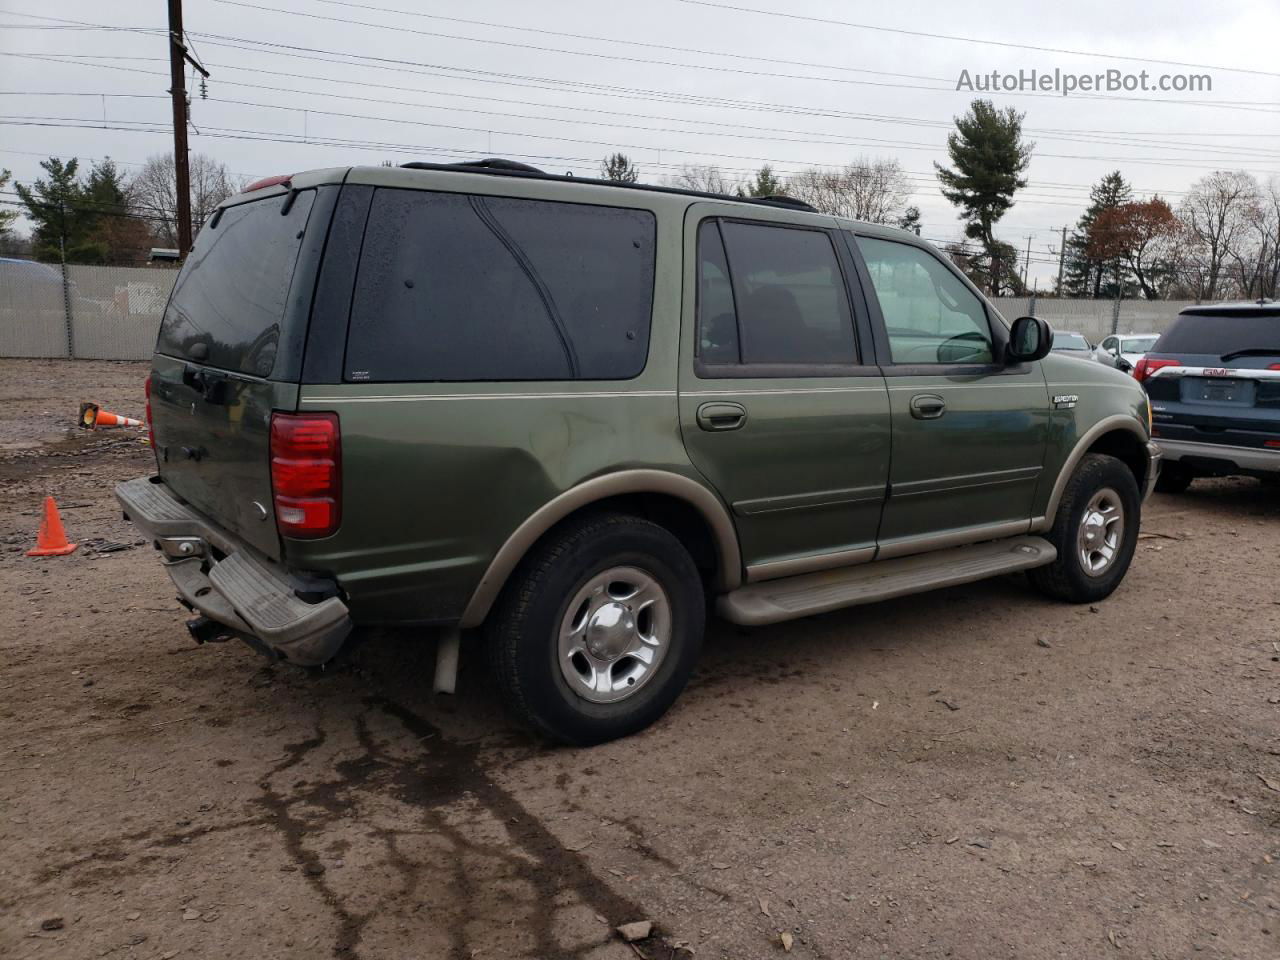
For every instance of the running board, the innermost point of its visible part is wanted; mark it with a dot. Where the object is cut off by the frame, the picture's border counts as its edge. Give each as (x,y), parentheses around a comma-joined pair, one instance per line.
(758,604)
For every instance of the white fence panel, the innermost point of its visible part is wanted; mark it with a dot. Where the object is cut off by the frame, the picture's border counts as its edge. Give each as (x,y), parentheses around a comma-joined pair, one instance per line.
(116,311)
(33,317)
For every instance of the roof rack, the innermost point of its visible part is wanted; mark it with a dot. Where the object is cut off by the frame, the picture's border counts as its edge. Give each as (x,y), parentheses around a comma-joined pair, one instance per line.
(496,166)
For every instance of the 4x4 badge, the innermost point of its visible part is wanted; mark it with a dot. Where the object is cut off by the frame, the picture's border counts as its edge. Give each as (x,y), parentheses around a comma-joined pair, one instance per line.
(1066,401)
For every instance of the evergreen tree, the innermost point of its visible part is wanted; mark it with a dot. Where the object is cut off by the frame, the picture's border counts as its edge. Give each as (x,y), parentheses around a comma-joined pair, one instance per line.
(87,219)
(765,184)
(618,167)
(6,216)
(61,222)
(988,158)
(910,220)
(1085,275)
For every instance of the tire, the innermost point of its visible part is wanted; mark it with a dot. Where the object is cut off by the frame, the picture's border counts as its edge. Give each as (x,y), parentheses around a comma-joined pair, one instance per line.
(1173,478)
(1101,482)
(533,628)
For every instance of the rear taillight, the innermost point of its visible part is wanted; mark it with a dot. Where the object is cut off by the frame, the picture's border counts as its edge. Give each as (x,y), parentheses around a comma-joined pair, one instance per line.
(151,430)
(1148,365)
(1274,366)
(306,473)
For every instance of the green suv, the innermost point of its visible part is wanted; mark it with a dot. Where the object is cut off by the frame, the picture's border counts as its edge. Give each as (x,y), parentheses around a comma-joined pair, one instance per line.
(580,415)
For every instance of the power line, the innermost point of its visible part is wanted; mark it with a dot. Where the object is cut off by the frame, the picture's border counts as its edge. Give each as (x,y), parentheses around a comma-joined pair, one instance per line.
(597,55)
(615,144)
(731,104)
(1247,106)
(1153,161)
(237,133)
(630,43)
(663,63)
(1260,153)
(992,43)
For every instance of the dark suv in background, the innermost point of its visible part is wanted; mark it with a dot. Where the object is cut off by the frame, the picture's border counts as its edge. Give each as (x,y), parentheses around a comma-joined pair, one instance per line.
(1214,382)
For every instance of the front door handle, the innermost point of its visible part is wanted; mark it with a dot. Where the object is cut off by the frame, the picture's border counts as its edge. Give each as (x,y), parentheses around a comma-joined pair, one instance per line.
(927,406)
(721,416)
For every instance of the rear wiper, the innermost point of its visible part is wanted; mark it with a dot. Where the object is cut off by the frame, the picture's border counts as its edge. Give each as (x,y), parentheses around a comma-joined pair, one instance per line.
(1252,352)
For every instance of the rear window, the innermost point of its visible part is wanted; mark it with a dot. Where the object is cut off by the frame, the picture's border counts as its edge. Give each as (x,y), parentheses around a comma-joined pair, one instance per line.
(458,287)
(231,293)
(1220,335)
(1069,341)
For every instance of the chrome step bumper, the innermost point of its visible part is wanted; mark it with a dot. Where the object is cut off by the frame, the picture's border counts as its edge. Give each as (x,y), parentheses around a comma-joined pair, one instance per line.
(243,592)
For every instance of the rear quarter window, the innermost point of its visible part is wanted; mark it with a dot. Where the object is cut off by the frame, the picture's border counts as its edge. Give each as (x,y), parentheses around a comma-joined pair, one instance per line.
(460,287)
(230,296)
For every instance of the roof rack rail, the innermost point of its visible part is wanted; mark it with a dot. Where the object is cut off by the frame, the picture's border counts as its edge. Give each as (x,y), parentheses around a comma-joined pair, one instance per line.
(488,163)
(782,200)
(514,168)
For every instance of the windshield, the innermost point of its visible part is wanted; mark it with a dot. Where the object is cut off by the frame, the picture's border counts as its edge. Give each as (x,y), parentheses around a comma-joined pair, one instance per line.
(1069,341)
(1137,344)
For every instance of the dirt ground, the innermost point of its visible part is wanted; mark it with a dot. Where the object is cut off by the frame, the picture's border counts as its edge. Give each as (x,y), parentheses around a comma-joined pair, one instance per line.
(976,773)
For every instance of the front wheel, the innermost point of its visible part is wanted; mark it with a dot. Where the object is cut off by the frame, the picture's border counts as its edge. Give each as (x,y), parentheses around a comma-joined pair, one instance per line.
(599,629)
(1095,532)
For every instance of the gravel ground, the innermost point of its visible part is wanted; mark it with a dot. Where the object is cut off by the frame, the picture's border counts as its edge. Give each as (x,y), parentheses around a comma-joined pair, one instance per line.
(975,773)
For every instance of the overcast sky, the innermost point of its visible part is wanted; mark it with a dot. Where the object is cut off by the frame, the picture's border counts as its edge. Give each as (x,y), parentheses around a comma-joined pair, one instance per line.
(502,79)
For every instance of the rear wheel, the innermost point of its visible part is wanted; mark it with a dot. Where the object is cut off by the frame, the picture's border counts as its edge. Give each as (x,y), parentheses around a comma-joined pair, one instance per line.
(1095,532)
(599,629)
(1173,478)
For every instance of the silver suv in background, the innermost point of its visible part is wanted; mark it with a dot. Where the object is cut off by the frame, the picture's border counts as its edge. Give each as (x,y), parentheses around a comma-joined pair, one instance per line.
(1124,350)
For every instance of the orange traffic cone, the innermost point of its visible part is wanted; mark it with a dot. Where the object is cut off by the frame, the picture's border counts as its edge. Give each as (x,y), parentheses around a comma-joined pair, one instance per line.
(51,541)
(92,417)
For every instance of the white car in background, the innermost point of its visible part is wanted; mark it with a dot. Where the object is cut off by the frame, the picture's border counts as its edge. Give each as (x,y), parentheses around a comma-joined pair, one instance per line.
(1123,351)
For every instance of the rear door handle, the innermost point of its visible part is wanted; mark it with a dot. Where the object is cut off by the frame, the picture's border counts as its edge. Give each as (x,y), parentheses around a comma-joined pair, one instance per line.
(721,416)
(927,406)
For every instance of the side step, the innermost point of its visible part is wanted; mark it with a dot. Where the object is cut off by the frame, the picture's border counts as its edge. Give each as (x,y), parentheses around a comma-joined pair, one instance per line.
(775,600)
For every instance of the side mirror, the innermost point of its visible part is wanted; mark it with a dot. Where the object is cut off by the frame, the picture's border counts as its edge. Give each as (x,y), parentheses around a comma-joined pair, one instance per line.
(1123,365)
(1030,339)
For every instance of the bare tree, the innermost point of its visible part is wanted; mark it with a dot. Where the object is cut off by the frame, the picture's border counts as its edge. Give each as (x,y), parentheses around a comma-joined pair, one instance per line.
(708,179)
(153,192)
(1255,263)
(875,191)
(1216,217)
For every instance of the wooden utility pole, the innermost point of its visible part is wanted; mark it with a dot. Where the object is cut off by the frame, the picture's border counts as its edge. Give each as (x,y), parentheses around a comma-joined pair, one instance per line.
(178,56)
(178,91)
(1026,267)
(1062,257)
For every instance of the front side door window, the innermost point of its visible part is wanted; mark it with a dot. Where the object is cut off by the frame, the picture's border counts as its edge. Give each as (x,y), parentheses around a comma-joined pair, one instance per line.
(930,316)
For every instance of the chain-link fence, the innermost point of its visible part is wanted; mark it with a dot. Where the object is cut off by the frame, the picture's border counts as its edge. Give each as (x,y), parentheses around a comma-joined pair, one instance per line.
(82,312)
(1095,319)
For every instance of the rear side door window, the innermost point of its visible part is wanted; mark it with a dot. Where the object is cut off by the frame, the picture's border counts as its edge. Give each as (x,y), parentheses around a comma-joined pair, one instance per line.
(930,316)
(770,295)
(461,287)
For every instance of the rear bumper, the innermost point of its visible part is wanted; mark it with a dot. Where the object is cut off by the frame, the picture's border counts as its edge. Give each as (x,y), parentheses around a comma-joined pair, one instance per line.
(225,581)
(1222,456)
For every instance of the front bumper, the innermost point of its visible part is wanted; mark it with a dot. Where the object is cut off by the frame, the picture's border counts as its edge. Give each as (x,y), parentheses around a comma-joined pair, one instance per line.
(1154,455)
(227,582)
(1222,457)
